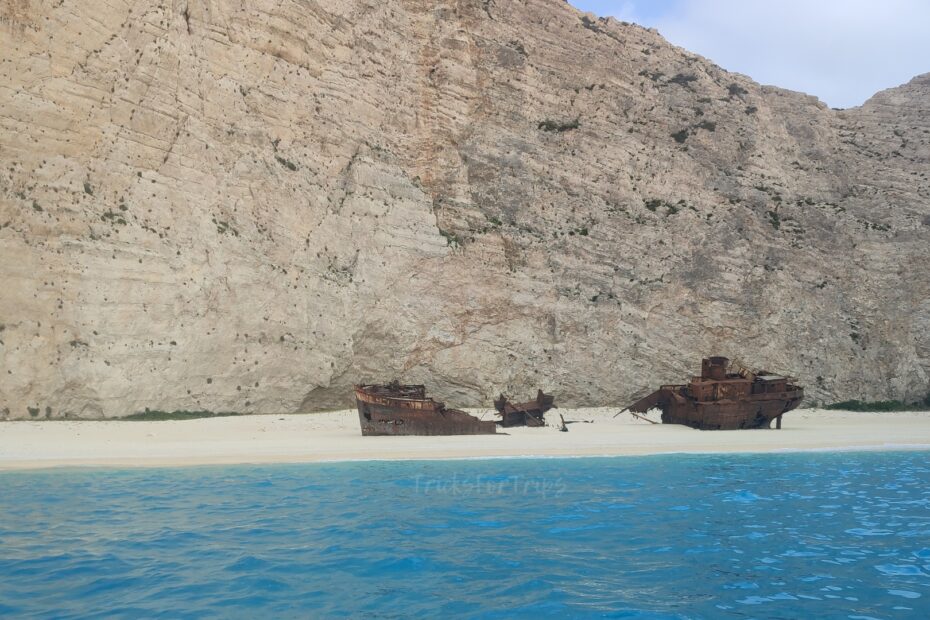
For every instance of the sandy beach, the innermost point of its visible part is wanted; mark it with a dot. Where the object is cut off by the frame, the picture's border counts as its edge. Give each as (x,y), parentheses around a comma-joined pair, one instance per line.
(335,436)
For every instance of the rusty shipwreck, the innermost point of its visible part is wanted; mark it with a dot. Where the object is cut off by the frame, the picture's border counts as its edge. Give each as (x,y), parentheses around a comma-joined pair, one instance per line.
(396,409)
(530,413)
(727,396)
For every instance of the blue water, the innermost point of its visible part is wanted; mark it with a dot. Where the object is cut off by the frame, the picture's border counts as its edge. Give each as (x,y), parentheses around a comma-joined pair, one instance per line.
(719,536)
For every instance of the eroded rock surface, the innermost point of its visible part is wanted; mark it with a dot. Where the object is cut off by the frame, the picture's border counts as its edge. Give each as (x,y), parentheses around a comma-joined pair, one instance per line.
(250,206)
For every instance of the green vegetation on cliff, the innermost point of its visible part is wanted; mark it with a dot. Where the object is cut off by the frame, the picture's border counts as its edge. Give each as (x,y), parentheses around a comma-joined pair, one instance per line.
(882,405)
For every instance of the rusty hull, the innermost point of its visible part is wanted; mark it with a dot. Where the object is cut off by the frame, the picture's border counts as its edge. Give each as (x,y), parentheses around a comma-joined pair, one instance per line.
(725,397)
(530,413)
(396,409)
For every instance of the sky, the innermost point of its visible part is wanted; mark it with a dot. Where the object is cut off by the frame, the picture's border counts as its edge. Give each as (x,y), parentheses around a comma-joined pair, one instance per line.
(842,51)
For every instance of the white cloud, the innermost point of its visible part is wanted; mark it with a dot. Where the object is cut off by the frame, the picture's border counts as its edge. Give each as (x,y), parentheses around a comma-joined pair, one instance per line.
(842,51)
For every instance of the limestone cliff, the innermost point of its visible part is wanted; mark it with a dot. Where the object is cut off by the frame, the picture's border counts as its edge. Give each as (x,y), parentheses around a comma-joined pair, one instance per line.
(251,205)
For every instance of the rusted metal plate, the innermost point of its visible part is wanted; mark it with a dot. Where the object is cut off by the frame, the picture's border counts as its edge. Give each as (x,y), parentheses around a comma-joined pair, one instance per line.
(725,397)
(395,409)
(530,413)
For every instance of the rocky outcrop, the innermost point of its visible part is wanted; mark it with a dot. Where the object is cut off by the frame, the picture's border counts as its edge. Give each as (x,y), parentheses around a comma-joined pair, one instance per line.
(251,206)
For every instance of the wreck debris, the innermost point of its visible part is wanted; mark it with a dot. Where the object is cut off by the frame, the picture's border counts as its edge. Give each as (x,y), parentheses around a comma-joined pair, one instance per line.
(530,413)
(640,417)
(396,409)
(725,397)
(563,428)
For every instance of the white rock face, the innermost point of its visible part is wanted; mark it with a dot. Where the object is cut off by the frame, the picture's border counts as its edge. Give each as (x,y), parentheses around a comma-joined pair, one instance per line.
(250,206)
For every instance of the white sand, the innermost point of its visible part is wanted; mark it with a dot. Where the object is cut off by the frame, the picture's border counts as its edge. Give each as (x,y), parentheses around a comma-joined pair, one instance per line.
(335,436)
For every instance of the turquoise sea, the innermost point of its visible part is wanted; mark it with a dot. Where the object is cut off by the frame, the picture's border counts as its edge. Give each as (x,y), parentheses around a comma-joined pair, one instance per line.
(827,535)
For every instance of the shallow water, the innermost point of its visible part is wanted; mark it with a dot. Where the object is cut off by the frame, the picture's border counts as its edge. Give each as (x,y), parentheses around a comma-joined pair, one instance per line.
(841,535)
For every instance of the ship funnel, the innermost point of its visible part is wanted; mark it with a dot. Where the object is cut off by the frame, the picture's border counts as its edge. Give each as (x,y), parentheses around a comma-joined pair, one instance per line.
(714,368)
